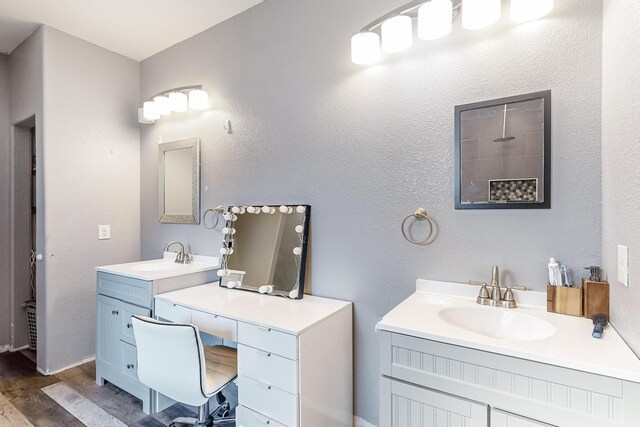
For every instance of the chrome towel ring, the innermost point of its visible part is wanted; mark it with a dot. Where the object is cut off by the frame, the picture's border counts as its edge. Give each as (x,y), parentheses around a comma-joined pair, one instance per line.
(216,211)
(419,215)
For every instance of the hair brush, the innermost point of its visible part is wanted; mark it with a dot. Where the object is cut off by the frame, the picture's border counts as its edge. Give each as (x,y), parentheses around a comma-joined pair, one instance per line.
(599,322)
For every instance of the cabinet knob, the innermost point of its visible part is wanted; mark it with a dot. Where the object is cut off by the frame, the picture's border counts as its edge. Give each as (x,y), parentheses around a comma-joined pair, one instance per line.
(130,366)
(129,325)
(115,312)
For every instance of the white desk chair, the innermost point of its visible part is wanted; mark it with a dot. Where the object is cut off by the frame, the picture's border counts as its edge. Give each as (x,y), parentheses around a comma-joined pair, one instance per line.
(173,361)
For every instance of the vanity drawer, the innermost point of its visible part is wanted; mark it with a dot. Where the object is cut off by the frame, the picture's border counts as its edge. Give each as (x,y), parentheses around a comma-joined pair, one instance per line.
(135,291)
(245,417)
(126,328)
(128,375)
(215,325)
(172,312)
(268,368)
(268,339)
(267,400)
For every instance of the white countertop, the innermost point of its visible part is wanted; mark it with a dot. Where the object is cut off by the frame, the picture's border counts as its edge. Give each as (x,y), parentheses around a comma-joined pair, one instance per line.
(572,346)
(136,270)
(287,315)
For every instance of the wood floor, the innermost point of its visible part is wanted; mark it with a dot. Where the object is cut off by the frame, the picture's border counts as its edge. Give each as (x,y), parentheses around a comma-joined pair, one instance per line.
(71,398)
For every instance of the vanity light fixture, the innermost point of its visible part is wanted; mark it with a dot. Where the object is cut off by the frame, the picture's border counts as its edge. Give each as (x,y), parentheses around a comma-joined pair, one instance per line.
(176,100)
(392,32)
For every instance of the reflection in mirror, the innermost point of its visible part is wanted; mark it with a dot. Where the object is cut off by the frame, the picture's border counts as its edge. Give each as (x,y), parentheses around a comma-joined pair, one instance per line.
(264,249)
(179,166)
(503,153)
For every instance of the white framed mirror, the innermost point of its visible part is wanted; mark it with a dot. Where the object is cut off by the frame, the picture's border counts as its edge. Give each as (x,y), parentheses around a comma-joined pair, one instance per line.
(179,166)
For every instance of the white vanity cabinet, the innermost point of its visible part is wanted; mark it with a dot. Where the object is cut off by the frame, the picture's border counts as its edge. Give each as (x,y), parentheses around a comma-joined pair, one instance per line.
(429,383)
(294,356)
(118,298)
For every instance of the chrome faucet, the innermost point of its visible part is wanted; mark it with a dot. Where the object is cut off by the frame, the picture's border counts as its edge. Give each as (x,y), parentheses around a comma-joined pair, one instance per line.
(496,298)
(181,257)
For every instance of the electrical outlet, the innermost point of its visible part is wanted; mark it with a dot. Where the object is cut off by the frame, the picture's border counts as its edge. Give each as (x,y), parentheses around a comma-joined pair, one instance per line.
(104,232)
(623,265)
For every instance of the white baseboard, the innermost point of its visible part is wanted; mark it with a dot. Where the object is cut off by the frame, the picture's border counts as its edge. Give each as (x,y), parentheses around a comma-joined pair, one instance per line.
(57,371)
(359,422)
(8,347)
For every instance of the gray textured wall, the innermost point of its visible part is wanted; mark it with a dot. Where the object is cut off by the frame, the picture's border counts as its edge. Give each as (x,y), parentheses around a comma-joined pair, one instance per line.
(621,160)
(5,194)
(366,146)
(92,169)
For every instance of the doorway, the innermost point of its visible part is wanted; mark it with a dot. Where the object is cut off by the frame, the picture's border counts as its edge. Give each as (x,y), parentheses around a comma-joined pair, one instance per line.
(25,238)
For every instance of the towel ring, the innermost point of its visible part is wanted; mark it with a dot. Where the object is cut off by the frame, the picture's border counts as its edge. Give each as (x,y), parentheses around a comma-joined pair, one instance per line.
(419,215)
(216,211)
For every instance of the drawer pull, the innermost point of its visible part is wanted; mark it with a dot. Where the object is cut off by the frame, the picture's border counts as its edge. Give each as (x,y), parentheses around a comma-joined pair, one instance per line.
(262,421)
(129,326)
(115,312)
(264,353)
(264,386)
(130,366)
(264,328)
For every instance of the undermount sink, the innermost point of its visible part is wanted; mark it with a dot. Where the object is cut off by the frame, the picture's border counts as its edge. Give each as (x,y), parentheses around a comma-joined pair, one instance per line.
(161,266)
(498,323)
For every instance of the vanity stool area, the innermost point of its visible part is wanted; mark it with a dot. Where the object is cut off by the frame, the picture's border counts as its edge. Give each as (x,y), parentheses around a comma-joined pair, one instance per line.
(491,366)
(127,289)
(294,356)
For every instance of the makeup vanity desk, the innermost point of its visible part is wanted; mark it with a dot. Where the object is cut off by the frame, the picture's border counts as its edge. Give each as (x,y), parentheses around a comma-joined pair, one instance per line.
(295,359)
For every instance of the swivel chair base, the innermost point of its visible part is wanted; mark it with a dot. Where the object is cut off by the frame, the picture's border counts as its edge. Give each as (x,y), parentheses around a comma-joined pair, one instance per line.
(206,419)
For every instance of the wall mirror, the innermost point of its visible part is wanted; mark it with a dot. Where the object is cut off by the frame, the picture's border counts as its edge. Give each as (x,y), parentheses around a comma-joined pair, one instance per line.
(179,166)
(503,153)
(265,249)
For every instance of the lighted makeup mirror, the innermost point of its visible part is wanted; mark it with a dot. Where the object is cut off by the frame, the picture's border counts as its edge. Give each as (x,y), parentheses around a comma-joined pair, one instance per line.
(265,249)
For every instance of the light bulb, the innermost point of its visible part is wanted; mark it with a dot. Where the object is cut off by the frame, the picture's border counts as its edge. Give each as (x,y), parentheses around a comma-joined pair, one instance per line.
(251,209)
(163,106)
(226,251)
(235,209)
(265,289)
(299,229)
(397,34)
(150,111)
(435,19)
(229,230)
(293,294)
(178,101)
(297,250)
(365,48)
(227,216)
(478,14)
(142,119)
(232,284)
(198,99)
(266,209)
(242,211)
(528,10)
(301,209)
(284,209)
(223,273)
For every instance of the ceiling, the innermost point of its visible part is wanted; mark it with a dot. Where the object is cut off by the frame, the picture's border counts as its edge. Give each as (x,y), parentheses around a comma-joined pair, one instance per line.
(134,28)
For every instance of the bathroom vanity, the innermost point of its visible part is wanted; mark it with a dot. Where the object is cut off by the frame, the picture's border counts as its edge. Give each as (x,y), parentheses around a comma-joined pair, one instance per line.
(446,361)
(128,289)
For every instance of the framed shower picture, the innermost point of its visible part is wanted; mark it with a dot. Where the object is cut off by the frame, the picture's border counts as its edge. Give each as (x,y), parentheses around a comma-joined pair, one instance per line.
(503,153)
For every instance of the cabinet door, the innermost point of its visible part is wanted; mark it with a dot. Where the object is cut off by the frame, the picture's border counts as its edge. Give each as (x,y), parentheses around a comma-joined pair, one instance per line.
(108,331)
(505,419)
(405,405)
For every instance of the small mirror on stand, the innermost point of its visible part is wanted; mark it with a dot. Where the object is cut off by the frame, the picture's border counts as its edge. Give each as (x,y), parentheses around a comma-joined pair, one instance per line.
(265,249)
(503,153)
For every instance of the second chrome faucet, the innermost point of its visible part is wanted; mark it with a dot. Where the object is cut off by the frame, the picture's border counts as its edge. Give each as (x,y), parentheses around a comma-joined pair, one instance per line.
(495,297)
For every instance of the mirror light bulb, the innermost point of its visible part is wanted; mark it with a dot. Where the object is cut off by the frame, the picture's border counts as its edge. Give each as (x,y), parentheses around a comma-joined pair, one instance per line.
(284,209)
(163,105)
(235,209)
(150,111)
(266,209)
(297,250)
(478,14)
(223,273)
(198,99)
(299,229)
(265,289)
(435,19)
(528,10)
(226,251)
(231,284)
(227,216)
(251,209)
(178,101)
(293,294)
(365,48)
(397,34)
(228,230)
(301,209)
